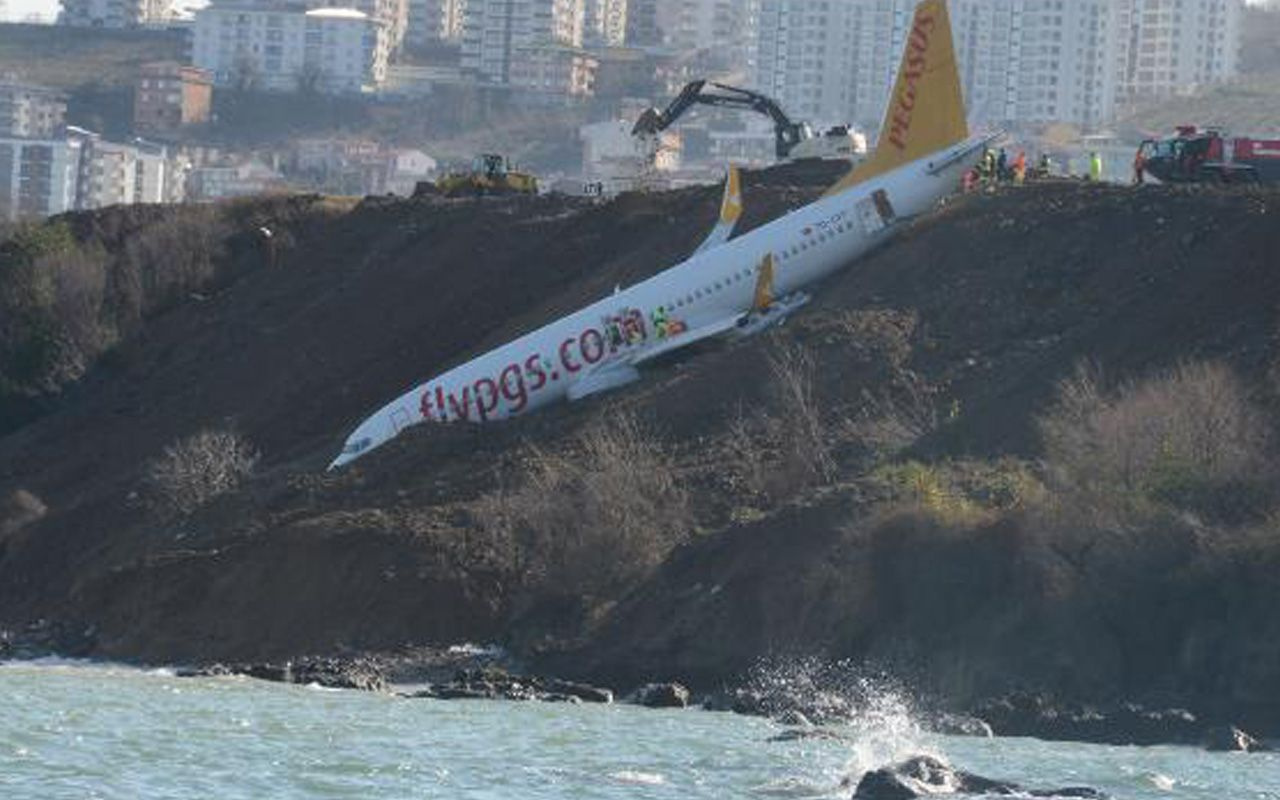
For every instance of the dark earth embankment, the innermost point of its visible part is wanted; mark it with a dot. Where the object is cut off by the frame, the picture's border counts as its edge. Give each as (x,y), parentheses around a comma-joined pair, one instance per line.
(932,538)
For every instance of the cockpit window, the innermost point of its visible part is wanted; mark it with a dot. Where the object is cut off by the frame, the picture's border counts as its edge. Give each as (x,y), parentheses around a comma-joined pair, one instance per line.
(358,446)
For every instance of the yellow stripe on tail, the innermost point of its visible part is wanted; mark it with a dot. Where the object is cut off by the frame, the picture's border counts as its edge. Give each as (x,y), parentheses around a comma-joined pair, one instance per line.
(764,285)
(926,111)
(731,206)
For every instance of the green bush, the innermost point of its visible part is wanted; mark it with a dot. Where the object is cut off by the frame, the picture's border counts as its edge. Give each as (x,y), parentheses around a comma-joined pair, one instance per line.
(595,518)
(1188,438)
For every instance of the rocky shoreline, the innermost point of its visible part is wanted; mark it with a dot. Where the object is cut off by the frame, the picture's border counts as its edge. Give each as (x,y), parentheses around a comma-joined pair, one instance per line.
(472,673)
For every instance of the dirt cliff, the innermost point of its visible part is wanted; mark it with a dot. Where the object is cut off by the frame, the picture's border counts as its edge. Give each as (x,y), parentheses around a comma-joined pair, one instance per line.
(941,349)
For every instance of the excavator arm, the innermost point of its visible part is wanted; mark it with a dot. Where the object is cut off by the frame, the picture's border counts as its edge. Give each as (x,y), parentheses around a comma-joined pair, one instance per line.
(787,134)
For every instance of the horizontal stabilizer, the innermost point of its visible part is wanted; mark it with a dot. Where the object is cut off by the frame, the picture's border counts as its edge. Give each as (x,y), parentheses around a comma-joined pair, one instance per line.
(730,212)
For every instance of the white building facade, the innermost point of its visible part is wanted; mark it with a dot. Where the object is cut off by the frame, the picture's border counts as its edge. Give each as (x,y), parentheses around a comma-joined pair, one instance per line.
(434,21)
(115,13)
(1021,61)
(605,23)
(1174,47)
(332,50)
(30,111)
(38,177)
(530,44)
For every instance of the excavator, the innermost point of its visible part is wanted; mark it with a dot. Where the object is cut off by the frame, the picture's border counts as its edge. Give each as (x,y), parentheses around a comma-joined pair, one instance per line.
(792,140)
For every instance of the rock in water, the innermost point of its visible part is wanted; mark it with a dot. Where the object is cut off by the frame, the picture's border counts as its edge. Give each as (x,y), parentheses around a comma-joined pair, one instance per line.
(924,776)
(1228,738)
(661,695)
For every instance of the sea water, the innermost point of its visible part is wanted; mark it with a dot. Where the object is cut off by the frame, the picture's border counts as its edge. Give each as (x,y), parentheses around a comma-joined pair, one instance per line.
(90,731)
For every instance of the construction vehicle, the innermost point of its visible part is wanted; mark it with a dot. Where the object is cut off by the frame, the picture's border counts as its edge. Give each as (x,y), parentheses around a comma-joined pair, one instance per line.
(792,140)
(490,173)
(1206,156)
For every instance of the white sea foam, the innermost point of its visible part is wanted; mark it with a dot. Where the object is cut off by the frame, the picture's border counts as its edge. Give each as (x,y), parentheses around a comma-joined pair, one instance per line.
(636,776)
(477,650)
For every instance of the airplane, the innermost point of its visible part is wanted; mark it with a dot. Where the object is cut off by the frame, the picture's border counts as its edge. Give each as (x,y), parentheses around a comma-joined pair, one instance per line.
(729,286)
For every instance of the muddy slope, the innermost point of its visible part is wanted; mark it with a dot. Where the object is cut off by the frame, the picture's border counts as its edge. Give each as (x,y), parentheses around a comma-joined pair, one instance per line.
(981,307)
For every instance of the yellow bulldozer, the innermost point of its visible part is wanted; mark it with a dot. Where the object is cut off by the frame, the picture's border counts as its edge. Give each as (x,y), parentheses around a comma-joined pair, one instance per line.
(490,173)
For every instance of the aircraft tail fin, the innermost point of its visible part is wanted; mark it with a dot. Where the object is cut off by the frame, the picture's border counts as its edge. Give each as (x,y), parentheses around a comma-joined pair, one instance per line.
(926,110)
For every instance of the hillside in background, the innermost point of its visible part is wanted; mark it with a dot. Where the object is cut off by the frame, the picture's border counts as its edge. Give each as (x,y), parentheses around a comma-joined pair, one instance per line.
(1028,444)
(66,58)
(1249,106)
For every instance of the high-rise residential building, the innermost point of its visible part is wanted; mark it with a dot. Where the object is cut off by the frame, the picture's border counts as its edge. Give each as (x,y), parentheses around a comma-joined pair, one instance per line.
(530,44)
(642,28)
(606,23)
(1169,47)
(286,48)
(38,177)
(808,56)
(1037,61)
(30,111)
(714,29)
(1021,61)
(115,13)
(170,96)
(434,21)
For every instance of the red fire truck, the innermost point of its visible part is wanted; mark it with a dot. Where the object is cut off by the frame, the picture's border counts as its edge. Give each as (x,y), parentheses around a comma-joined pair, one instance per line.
(1199,156)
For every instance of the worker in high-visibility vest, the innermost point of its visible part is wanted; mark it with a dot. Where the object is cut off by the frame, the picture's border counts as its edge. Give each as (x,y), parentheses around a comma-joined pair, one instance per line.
(1095,166)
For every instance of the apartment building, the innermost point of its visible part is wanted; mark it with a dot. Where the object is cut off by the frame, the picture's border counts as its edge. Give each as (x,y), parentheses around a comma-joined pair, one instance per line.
(38,177)
(115,173)
(1173,47)
(808,55)
(606,23)
(642,23)
(114,13)
(1037,61)
(528,44)
(716,30)
(434,21)
(30,111)
(285,48)
(1021,61)
(170,96)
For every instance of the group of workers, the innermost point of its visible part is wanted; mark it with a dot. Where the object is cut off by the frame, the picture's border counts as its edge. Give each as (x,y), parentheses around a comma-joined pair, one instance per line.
(996,167)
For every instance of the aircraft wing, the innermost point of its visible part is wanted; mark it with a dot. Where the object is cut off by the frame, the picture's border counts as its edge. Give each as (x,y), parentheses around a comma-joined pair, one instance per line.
(621,371)
(685,339)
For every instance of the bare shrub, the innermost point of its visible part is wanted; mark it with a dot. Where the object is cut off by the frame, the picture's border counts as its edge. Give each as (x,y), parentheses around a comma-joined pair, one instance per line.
(195,470)
(597,517)
(804,437)
(786,447)
(890,423)
(169,258)
(749,450)
(1169,438)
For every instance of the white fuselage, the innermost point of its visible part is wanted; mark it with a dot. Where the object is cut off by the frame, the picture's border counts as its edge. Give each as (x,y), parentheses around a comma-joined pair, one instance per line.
(540,367)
